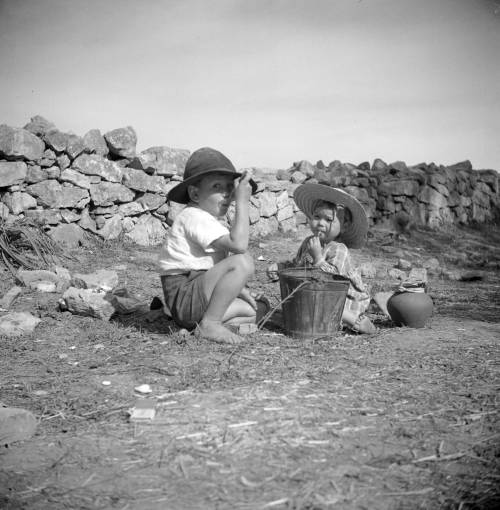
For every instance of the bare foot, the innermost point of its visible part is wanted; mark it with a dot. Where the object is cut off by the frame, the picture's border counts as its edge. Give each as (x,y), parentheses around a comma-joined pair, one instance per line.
(364,326)
(216,332)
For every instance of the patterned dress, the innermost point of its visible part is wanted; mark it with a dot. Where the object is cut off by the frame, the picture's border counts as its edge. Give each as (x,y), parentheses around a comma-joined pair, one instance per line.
(337,260)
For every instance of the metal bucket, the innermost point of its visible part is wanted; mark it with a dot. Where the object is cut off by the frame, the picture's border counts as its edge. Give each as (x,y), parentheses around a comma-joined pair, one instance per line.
(313,302)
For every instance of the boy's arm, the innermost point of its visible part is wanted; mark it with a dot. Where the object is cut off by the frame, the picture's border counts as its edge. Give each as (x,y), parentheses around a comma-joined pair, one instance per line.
(237,240)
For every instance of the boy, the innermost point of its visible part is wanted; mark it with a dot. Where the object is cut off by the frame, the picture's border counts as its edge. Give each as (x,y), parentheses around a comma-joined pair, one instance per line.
(337,221)
(204,287)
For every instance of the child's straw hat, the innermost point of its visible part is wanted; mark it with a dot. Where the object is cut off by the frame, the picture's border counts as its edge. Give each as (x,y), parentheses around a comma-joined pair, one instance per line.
(307,195)
(202,162)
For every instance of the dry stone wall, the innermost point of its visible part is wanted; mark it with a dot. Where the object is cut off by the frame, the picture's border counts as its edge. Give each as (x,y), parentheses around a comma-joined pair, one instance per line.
(98,183)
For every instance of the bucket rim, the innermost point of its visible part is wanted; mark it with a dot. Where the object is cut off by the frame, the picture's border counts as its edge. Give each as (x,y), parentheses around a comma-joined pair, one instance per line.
(295,271)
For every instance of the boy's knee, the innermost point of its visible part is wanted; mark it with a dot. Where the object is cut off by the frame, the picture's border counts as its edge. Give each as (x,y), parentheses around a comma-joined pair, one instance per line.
(245,263)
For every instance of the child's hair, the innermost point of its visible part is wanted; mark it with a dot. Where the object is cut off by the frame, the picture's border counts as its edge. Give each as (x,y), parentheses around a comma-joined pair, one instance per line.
(343,214)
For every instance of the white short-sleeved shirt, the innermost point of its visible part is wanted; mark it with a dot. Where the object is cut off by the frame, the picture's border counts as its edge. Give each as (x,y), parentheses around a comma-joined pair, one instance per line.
(187,245)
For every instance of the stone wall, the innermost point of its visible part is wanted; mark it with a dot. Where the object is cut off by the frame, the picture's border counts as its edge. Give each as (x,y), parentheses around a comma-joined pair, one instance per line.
(100,184)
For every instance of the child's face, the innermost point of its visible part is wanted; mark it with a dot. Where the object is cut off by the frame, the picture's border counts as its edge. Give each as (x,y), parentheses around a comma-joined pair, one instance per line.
(324,223)
(213,194)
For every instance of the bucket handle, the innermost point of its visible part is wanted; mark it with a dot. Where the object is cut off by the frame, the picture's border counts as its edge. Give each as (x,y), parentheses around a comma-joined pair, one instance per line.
(268,315)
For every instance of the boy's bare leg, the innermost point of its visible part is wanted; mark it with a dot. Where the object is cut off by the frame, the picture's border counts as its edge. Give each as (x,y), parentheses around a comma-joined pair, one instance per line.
(222,285)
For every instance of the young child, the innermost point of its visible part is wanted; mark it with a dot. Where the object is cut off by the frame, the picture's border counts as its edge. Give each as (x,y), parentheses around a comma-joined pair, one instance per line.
(337,221)
(203,285)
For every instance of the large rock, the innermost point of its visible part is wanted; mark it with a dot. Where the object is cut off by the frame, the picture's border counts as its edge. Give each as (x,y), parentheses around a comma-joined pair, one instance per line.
(462,165)
(16,424)
(379,165)
(63,161)
(86,222)
(44,216)
(94,164)
(56,140)
(298,177)
(16,143)
(112,228)
(405,187)
(69,216)
(18,202)
(87,302)
(76,178)
(165,161)
(74,146)
(94,143)
(268,205)
(305,167)
(102,279)
(39,125)
(130,209)
(148,231)
(122,141)
(107,193)
(285,213)
(136,179)
(53,172)
(31,279)
(12,172)
(48,159)
(50,193)
(35,174)
(106,211)
(18,324)
(151,201)
(282,199)
(69,234)
(432,197)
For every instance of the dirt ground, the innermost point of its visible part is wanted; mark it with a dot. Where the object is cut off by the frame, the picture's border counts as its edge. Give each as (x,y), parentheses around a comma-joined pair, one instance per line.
(402,419)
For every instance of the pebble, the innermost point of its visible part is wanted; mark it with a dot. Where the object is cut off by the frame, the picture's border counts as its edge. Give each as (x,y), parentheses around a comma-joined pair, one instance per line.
(143,388)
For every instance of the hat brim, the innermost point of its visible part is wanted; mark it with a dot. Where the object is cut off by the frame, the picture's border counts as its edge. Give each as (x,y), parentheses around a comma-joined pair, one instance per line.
(306,195)
(180,194)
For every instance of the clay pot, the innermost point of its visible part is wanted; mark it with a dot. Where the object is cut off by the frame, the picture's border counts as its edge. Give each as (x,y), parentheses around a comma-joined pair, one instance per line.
(412,309)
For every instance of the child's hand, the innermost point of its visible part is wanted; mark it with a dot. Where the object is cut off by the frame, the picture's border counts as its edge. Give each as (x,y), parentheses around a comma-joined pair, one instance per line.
(243,190)
(272,272)
(315,249)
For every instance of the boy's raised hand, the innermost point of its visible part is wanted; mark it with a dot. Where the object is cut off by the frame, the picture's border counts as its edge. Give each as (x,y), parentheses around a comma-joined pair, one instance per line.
(243,190)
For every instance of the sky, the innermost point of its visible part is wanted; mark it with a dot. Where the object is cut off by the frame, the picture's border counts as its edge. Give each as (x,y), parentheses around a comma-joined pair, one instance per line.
(267,82)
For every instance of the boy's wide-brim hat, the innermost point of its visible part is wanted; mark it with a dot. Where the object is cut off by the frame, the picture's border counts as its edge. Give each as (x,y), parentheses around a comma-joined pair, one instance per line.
(202,162)
(307,195)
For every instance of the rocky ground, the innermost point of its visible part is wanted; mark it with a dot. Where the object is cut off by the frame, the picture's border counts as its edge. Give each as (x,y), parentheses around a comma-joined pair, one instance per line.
(403,418)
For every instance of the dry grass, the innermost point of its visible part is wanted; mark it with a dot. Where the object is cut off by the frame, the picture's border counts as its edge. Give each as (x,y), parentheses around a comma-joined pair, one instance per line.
(401,419)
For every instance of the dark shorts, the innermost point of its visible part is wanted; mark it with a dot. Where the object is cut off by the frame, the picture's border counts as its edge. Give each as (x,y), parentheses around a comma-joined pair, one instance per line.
(185,298)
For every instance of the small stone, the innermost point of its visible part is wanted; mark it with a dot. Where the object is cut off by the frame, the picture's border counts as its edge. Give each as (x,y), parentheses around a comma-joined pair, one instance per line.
(44,286)
(106,383)
(16,424)
(17,324)
(143,388)
(404,265)
(40,393)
